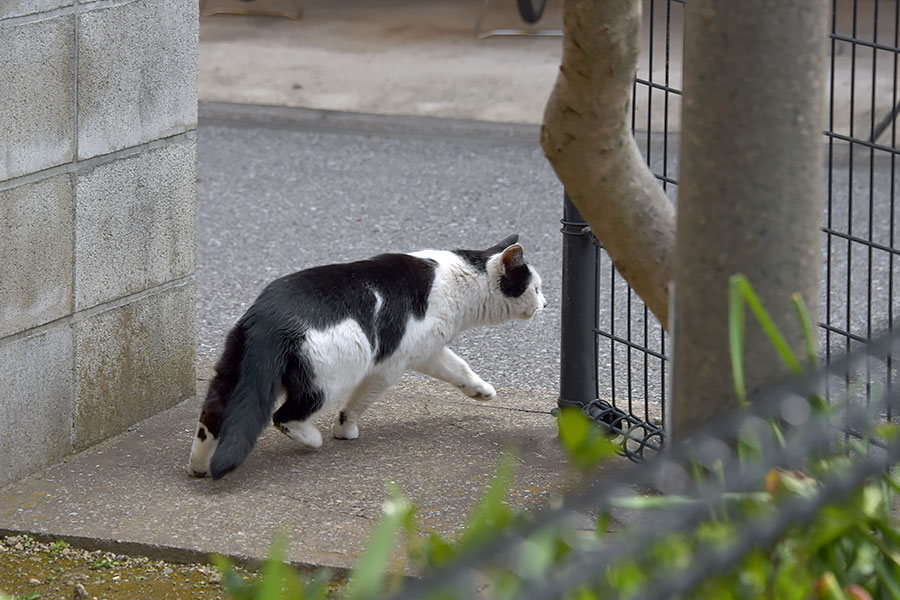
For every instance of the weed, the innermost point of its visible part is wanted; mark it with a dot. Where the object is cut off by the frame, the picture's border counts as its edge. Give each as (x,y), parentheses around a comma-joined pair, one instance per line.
(58,546)
(105,563)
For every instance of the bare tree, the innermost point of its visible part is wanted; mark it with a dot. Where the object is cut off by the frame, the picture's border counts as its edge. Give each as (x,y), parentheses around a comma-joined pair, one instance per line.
(587,139)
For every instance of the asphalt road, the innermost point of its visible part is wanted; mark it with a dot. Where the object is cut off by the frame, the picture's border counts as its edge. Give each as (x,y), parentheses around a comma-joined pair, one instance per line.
(284,190)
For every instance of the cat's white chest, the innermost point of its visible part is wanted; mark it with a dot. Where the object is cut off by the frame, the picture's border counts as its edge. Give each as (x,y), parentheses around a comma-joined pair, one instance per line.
(425,337)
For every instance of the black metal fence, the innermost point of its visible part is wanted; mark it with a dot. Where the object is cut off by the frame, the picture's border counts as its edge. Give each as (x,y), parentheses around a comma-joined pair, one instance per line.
(859,224)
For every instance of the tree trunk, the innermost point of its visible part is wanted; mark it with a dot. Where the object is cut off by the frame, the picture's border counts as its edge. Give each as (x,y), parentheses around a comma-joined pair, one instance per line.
(587,139)
(750,189)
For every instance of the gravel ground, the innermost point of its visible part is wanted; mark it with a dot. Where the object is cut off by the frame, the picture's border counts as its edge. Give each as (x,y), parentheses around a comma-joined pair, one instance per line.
(30,569)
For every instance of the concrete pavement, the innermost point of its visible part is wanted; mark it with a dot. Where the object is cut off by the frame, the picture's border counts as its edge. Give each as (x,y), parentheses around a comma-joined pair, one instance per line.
(397,57)
(421,57)
(132,494)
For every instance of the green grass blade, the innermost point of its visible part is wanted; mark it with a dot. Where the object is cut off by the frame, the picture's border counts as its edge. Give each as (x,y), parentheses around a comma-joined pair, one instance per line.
(807,325)
(736,334)
(273,570)
(491,516)
(771,330)
(779,436)
(584,442)
(887,578)
(370,572)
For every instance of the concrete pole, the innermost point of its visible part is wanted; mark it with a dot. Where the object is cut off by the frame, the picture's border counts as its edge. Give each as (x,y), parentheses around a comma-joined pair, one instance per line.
(750,189)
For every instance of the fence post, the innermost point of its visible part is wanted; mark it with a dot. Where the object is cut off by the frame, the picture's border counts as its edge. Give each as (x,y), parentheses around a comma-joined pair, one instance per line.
(578,342)
(750,191)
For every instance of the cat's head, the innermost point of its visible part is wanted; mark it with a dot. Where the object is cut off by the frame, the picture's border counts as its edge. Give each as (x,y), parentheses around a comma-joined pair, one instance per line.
(514,286)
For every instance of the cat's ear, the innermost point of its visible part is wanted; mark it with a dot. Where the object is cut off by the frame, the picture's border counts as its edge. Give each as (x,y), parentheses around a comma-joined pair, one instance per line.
(503,244)
(512,257)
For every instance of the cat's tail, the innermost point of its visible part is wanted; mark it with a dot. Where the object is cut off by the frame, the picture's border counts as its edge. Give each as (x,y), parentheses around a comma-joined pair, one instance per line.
(249,408)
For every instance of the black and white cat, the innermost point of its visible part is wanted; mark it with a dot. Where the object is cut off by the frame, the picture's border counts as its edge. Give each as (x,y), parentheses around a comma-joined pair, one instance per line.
(338,336)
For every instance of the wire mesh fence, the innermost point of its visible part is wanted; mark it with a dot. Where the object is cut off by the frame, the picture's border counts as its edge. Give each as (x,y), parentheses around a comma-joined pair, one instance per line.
(787,428)
(859,223)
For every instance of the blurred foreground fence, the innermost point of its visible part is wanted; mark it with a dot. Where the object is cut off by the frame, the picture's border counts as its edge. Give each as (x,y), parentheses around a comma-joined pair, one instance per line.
(785,430)
(626,384)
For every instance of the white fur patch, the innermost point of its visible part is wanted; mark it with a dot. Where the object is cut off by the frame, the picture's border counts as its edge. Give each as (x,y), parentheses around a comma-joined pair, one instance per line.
(302,431)
(533,299)
(340,357)
(480,390)
(202,452)
(447,366)
(379,302)
(348,430)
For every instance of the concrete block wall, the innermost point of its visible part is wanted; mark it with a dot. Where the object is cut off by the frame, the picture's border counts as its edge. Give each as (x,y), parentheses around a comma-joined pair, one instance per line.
(98,117)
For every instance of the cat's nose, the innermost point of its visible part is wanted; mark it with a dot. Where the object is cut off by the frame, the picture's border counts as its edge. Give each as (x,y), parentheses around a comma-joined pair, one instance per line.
(545,303)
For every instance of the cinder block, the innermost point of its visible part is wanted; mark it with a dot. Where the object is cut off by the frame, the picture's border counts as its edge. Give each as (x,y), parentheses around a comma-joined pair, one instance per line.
(36,250)
(37,96)
(137,74)
(135,223)
(18,8)
(35,402)
(132,362)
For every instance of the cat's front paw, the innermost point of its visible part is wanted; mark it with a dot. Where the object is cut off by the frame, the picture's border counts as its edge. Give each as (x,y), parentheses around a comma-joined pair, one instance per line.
(481,390)
(301,431)
(343,428)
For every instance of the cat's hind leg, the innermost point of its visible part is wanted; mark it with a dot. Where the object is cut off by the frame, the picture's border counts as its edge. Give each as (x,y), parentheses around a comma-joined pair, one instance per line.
(346,426)
(447,366)
(302,400)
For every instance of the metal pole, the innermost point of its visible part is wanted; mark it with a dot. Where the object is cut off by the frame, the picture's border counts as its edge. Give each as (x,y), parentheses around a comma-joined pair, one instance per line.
(578,351)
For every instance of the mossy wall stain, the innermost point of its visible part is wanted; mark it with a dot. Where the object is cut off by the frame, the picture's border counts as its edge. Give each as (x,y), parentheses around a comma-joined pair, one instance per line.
(132,362)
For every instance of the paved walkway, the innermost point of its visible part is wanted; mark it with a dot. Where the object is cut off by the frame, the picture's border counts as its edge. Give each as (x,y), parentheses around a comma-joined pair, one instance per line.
(132,493)
(421,57)
(396,57)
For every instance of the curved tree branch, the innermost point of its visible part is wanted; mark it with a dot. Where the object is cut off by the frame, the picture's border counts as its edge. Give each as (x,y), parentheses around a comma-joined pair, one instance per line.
(587,138)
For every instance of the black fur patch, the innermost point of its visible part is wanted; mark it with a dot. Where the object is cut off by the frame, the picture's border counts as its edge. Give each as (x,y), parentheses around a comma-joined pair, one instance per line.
(515,281)
(324,296)
(476,258)
(479,258)
(302,397)
(262,352)
(404,283)
(201,433)
(243,392)
(342,418)
(221,387)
